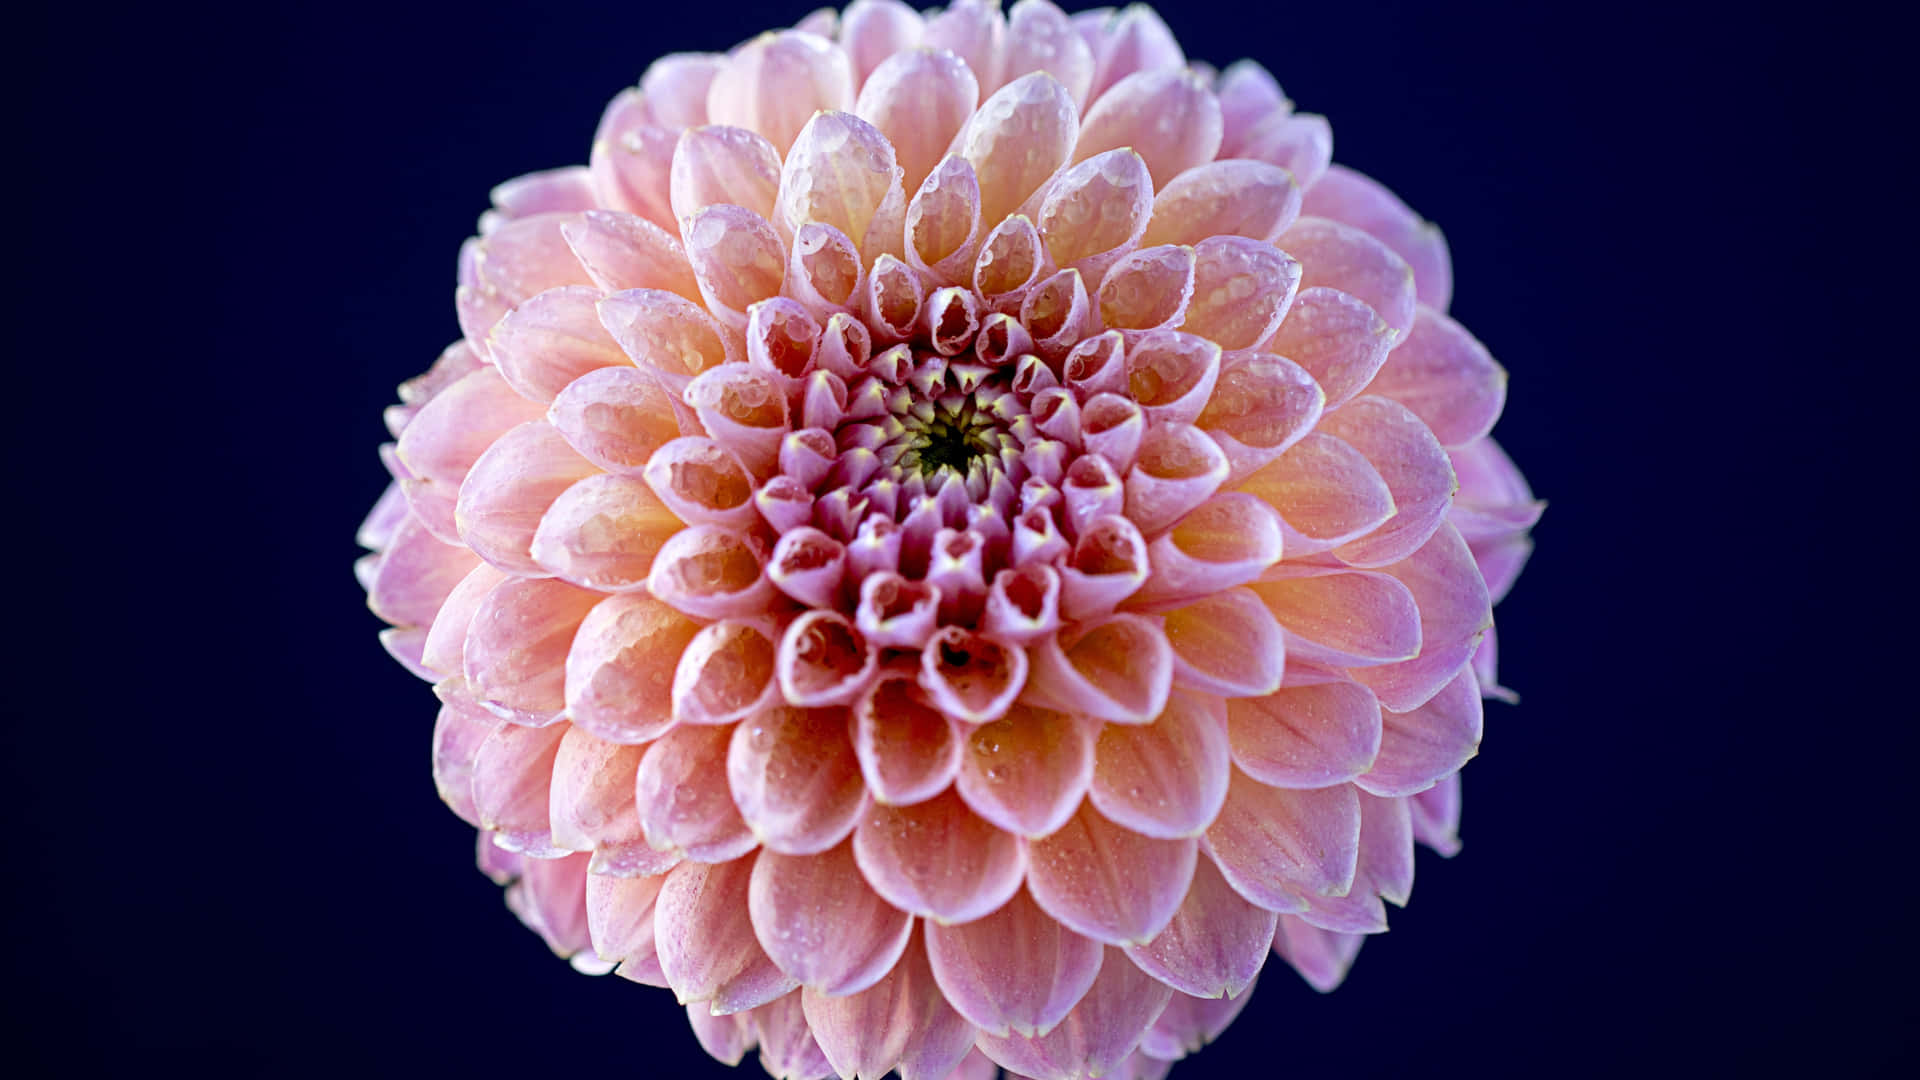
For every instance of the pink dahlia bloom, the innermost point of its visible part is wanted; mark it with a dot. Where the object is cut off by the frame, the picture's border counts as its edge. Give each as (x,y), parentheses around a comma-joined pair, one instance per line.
(949,540)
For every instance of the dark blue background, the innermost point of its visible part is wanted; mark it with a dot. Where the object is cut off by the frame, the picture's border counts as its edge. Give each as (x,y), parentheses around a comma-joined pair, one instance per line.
(1685,854)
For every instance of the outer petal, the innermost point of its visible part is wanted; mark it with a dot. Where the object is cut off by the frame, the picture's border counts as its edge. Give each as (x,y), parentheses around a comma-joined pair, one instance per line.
(1028,770)
(776,82)
(705,939)
(1306,736)
(795,779)
(1348,196)
(1108,882)
(1420,747)
(682,807)
(1016,971)
(1277,847)
(509,490)
(901,1021)
(620,667)
(1215,944)
(1322,957)
(1168,778)
(1446,377)
(938,859)
(818,920)
(1097,1036)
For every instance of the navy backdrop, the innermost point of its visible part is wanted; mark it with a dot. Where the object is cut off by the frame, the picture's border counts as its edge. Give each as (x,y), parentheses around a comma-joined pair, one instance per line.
(227,854)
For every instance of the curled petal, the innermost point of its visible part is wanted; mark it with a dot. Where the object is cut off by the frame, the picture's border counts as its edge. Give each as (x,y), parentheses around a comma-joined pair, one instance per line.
(1056,312)
(510,488)
(974,31)
(1342,257)
(1023,604)
(775,83)
(943,222)
(1148,289)
(517,645)
(1015,971)
(919,99)
(458,733)
(1216,943)
(1322,957)
(416,575)
(737,258)
(725,673)
(1306,736)
(1178,468)
(1224,198)
(1097,1036)
(1017,140)
(1435,813)
(1118,669)
(720,164)
(1336,337)
(1165,779)
(603,532)
(825,273)
(1455,610)
(681,809)
(1280,847)
(1168,116)
(631,160)
(893,299)
(1132,39)
(840,172)
(1241,292)
(938,859)
(711,573)
(970,676)
(624,251)
(615,417)
(1096,211)
(705,938)
(620,667)
(1228,540)
(1027,771)
(1108,564)
(909,751)
(795,778)
(1011,262)
(824,660)
(818,920)
(700,482)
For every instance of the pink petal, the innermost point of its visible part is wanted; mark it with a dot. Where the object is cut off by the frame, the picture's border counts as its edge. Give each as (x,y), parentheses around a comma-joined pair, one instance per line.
(824,660)
(726,673)
(665,334)
(416,575)
(1118,668)
(841,172)
(1322,957)
(919,99)
(1095,211)
(509,490)
(1348,619)
(873,30)
(458,733)
(1419,747)
(681,807)
(1227,644)
(1262,405)
(517,643)
(1327,494)
(512,777)
(1015,971)
(943,223)
(1133,39)
(1168,116)
(787,1047)
(1168,778)
(1224,198)
(971,677)
(711,573)
(1216,943)
(1040,37)
(1347,196)
(1189,1023)
(1229,540)
(1278,847)
(719,164)
(776,82)
(701,483)
(1148,289)
(727,1038)
(909,751)
(1242,289)
(625,251)
(1028,770)
(1306,736)
(620,924)
(1108,882)
(603,532)
(1435,813)
(1446,377)
(630,160)
(818,920)
(615,417)
(449,433)
(550,191)
(550,899)
(901,1021)
(591,802)
(973,30)
(1012,261)
(1342,257)
(1094,1039)
(1018,138)
(705,938)
(1337,337)
(620,667)
(1248,95)
(795,778)
(1455,610)
(550,340)
(1178,468)
(737,257)
(1301,143)
(937,859)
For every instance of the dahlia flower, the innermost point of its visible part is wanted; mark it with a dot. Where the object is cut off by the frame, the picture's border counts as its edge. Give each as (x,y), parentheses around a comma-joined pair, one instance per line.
(949,540)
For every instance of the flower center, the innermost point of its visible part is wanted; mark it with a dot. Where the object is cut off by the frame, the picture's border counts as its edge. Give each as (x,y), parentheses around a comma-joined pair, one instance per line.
(954,438)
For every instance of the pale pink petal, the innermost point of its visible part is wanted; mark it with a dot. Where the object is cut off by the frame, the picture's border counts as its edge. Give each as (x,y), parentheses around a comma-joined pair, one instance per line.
(938,859)
(725,673)
(1095,211)
(776,82)
(787,1047)
(1250,199)
(1326,493)
(1306,736)
(1419,747)
(705,940)
(1348,196)
(615,417)
(1342,257)
(416,574)
(1261,405)
(873,30)
(1189,1023)
(823,659)
(546,192)
(512,777)
(591,804)
(458,733)
(1040,37)
(970,676)
(624,251)
(1322,957)
(1018,138)
(1279,847)
(1413,464)
(1301,143)
(1118,668)
(909,750)
(711,573)
(818,920)
(1216,943)
(1435,813)
(630,161)
(901,1021)
(1012,261)
(620,924)
(665,334)
(675,87)
(719,164)
(510,488)
(1445,376)
(1107,881)
(550,899)
(551,339)
(725,1038)
(1168,778)
(681,809)
(841,172)
(1134,39)
(1097,1036)
(943,224)
(700,482)
(972,30)
(1178,468)
(1227,644)
(794,777)
(1242,290)
(737,257)
(1454,607)
(451,432)
(1248,95)
(1349,619)
(516,649)
(1148,289)
(1169,117)
(1337,337)
(1027,771)
(603,532)
(1171,374)
(1228,540)
(620,666)
(919,99)
(1015,971)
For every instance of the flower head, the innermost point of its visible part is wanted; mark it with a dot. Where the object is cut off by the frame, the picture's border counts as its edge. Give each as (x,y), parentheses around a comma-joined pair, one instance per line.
(949,540)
